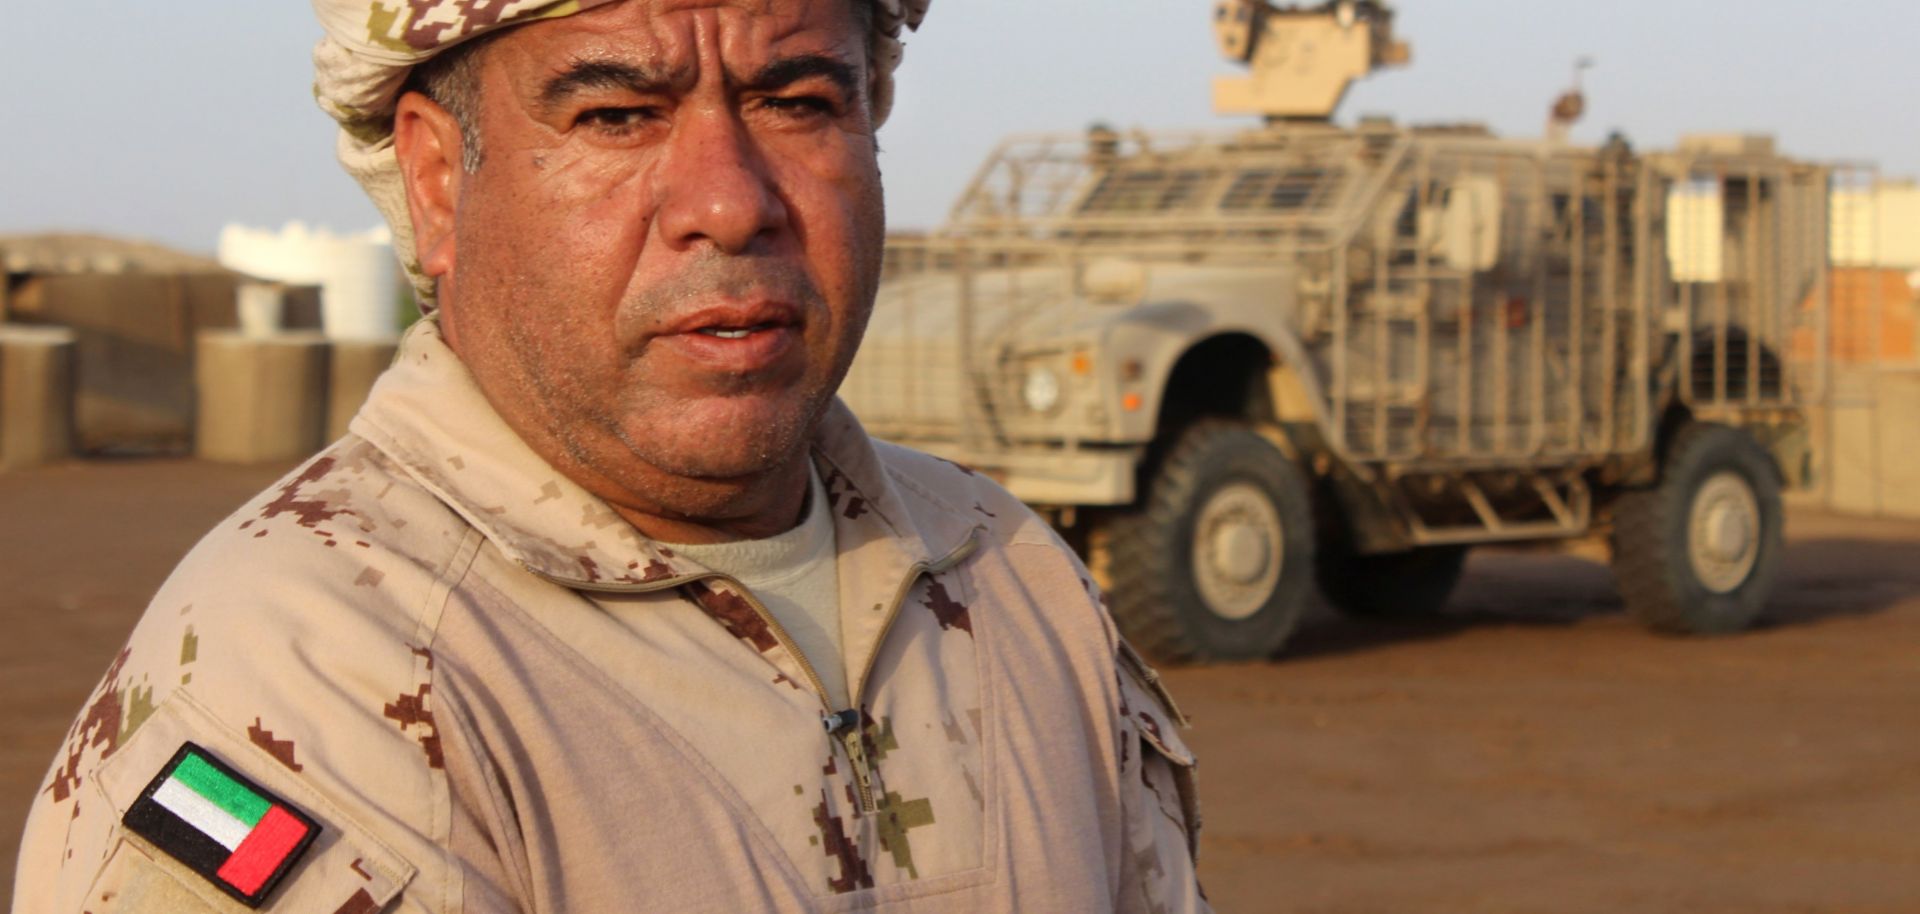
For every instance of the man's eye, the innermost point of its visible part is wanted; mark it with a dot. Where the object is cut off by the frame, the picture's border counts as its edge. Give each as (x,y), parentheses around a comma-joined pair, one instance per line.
(617,120)
(801,105)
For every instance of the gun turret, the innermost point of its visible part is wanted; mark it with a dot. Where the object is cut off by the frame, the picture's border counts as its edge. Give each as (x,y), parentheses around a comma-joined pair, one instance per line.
(1303,57)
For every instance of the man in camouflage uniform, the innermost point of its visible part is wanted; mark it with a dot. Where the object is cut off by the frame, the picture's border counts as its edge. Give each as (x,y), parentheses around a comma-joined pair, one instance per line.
(455,663)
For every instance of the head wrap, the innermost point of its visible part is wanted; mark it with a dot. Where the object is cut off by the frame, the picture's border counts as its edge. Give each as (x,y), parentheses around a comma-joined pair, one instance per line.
(371,46)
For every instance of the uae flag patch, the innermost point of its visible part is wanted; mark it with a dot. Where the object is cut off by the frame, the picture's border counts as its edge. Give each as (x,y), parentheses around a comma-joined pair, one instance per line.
(221,825)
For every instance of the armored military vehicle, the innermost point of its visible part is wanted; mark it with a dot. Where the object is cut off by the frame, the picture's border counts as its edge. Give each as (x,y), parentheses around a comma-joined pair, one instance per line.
(1242,369)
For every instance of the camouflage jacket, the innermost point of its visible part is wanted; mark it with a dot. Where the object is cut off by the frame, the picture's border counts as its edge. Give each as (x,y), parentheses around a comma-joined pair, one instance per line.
(487,693)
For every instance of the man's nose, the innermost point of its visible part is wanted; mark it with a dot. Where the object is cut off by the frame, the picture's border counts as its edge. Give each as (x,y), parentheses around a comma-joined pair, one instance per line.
(716,187)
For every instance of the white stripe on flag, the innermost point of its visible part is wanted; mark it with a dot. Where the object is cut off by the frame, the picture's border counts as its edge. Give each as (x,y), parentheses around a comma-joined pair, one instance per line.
(200,813)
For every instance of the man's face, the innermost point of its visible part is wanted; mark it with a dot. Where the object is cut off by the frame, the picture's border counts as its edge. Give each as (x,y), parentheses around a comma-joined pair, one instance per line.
(664,263)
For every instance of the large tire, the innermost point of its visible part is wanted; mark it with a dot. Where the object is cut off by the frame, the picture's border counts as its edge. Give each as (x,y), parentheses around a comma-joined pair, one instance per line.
(1217,563)
(1698,553)
(1396,585)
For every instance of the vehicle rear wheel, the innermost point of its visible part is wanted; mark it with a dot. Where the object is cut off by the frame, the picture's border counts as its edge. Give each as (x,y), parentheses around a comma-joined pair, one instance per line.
(1697,553)
(1394,585)
(1217,563)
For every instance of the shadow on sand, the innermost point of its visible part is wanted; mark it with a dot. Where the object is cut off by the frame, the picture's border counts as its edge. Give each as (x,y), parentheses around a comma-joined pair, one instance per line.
(1820,579)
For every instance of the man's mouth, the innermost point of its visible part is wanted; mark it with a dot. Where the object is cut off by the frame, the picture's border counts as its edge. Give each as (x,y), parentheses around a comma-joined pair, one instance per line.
(734,321)
(741,338)
(737,333)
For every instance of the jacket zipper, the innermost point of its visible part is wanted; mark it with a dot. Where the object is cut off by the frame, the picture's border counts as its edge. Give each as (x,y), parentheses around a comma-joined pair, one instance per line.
(849,729)
(841,726)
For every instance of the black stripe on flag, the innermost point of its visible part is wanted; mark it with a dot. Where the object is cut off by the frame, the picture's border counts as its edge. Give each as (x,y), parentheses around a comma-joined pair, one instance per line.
(179,840)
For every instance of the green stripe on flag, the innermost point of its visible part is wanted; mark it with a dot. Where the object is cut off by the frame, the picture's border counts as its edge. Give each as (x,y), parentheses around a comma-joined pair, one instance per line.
(222,791)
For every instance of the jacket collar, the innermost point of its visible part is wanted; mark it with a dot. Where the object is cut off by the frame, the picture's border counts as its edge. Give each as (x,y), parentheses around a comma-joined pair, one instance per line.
(428,414)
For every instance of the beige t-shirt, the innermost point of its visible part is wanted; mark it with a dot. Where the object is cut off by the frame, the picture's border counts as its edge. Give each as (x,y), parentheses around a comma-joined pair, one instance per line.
(795,576)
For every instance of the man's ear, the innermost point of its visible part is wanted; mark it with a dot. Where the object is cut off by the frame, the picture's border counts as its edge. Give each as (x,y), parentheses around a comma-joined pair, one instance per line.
(426,140)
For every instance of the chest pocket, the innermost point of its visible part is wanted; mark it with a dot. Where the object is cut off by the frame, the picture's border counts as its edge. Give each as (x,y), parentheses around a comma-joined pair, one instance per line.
(342,869)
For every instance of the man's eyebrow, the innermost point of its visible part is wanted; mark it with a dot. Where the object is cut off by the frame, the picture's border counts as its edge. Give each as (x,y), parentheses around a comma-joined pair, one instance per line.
(789,70)
(587,75)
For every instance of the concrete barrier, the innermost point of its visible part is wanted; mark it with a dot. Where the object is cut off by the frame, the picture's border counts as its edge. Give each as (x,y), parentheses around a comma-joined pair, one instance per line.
(259,399)
(1867,436)
(133,387)
(36,394)
(355,365)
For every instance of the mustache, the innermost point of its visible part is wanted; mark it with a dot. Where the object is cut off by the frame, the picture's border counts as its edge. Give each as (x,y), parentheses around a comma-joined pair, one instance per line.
(722,277)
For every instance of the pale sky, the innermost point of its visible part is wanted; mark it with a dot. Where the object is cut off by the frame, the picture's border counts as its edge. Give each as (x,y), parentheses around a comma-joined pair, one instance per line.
(167,120)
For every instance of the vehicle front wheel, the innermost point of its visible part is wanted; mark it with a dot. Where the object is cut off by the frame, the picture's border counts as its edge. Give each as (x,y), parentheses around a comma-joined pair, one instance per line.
(1697,553)
(1217,563)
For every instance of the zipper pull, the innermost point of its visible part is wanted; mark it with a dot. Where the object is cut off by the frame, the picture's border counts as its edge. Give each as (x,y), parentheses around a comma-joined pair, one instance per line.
(839,722)
(845,726)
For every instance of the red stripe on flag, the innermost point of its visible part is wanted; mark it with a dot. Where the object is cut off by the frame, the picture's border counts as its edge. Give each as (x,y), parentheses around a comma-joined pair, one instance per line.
(261,853)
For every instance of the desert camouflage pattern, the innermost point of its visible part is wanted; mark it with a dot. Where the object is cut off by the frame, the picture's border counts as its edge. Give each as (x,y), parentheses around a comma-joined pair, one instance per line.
(371,46)
(494,695)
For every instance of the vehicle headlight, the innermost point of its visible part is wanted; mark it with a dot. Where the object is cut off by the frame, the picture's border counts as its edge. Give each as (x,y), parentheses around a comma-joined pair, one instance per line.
(1041,389)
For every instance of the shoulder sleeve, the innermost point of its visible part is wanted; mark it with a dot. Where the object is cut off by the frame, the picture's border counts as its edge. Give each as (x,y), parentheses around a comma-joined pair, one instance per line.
(186,814)
(290,650)
(1160,808)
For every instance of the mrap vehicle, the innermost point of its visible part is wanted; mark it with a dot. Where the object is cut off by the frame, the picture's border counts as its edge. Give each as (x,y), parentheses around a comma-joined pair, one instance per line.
(1239,370)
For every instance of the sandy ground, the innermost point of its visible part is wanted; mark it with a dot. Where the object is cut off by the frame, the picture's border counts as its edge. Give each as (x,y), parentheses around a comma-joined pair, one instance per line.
(1532,751)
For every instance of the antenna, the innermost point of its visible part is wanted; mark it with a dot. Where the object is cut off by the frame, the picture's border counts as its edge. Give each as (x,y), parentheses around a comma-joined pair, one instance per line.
(1571,105)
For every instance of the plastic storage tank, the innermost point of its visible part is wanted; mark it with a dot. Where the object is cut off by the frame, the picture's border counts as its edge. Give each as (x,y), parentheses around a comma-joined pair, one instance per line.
(356,273)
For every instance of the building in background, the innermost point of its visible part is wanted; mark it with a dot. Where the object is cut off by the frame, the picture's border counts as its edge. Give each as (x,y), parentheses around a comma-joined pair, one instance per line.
(1875,316)
(1867,420)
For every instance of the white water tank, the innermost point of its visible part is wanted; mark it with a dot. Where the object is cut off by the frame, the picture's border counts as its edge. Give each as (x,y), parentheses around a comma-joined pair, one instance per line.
(356,273)
(1876,224)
